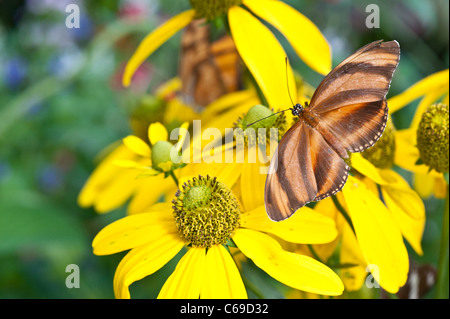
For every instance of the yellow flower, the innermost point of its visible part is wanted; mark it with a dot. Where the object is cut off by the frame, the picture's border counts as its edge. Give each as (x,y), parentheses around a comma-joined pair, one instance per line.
(132,170)
(380,226)
(432,89)
(256,44)
(159,153)
(206,218)
(114,180)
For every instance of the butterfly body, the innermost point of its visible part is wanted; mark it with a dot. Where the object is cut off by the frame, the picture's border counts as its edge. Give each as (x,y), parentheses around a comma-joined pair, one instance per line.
(347,113)
(312,120)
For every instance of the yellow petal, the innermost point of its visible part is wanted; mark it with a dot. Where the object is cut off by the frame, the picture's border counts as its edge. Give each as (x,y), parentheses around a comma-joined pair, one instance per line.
(429,99)
(424,184)
(252,185)
(306,226)
(183,134)
(103,173)
(148,191)
(143,261)
(407,208)
(117,191)
(350,253)
(264,57)
(177,110)
(429,84)
(133,231)
(226,102)
(378,235)
(367,169)
(327,208)
(131,164)
(407,153)
(168,88)
(297,271)
(157,132)
(304,36)
(227,173)
(440,187)
(187,279)
(136,145)
(154,40)
(222,279)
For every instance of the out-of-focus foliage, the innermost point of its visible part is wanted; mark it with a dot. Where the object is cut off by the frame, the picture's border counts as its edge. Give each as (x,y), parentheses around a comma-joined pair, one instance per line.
(61,102)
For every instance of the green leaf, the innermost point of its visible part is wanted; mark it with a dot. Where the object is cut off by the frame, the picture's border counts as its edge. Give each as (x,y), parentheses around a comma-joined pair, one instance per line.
(446,178)
(29,221)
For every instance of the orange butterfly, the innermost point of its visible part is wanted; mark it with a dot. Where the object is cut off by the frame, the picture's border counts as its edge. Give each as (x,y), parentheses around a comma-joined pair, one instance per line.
(347,113)
(207,70)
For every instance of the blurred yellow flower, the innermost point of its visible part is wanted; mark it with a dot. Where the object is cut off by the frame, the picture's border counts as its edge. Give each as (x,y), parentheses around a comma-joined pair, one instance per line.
(256,44)
(431,89)
(206,218)
(114,180)
(159,153)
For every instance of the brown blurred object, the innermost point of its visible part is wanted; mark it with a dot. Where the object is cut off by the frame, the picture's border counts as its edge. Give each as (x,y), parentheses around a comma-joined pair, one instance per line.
(207,70)
(421,279)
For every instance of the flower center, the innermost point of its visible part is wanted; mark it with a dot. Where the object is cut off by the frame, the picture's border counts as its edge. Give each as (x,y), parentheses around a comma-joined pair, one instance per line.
(211,9)
(382,154)
(433,137)
(206,212)
(262,116)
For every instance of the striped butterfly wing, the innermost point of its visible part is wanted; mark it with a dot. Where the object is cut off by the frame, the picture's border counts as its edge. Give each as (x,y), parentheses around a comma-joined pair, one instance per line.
(207,69)
(350,108)
(350,103)
(303,168)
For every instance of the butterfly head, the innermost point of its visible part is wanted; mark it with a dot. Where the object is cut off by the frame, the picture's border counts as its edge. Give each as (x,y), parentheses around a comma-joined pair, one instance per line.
(297,109)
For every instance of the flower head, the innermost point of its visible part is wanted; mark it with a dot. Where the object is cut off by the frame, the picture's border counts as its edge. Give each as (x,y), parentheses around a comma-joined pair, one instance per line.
(206,219)
(206,212)
(432,137)
(251,38)
(432,89)
(382,154)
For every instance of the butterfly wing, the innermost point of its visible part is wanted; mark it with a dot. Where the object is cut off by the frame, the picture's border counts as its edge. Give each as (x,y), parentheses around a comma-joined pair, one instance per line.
(207,70)
(304,168)
(350,102)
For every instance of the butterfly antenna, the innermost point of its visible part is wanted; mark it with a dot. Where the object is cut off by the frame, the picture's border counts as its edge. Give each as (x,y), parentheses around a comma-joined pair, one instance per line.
(289,93)
(267,117)
(287,81)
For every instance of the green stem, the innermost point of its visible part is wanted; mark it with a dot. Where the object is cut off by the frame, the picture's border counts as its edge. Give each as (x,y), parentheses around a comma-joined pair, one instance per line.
(313,252)
(175,179)
(252,287)
(443,274)
(343,212)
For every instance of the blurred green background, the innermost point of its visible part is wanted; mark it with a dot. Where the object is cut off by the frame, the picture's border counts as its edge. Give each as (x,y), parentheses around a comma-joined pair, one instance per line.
(61,103)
